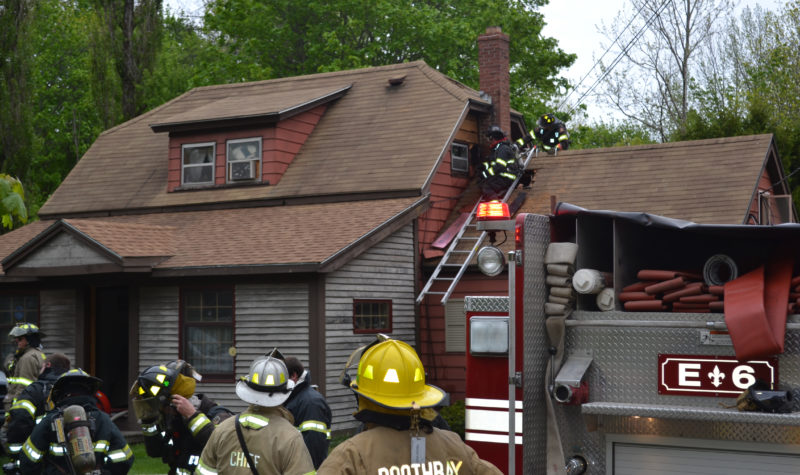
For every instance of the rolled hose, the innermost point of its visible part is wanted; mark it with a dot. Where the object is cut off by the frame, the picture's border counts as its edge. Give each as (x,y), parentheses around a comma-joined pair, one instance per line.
(719,269)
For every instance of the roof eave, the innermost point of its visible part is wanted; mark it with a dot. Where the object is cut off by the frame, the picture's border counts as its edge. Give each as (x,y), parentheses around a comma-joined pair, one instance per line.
(248,120)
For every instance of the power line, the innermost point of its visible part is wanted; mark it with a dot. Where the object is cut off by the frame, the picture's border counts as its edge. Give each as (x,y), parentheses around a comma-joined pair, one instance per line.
(616,60)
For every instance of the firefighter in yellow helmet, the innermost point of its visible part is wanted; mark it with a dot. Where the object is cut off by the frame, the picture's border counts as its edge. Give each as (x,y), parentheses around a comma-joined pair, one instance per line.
(263,436)
(391,391)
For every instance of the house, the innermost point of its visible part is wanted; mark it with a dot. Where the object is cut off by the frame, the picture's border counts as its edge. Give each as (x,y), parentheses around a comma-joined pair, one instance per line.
(236,218)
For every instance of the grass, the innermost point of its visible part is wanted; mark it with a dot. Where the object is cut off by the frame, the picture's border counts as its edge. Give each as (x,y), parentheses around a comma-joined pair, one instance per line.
(144,465)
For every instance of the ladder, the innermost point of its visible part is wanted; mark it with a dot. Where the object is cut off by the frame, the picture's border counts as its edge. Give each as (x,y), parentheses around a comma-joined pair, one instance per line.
(450,256)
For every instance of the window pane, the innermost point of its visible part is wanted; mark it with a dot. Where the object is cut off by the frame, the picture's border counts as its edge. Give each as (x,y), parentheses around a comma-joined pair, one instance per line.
(207,348)
(198,155)
(16,309)
(372,316)
(243,150)
(208,329)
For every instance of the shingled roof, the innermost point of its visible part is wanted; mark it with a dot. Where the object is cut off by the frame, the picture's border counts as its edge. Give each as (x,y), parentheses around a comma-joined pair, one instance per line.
(704,181)
(310,238)
(376,138)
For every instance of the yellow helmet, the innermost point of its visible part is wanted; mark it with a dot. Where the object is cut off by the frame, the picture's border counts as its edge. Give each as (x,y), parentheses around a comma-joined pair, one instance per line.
(391,374)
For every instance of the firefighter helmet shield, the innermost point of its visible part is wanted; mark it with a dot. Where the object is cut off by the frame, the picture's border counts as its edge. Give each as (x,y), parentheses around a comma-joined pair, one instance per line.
(24,329)
(157,381)
(74,381)
(391,375)
(267,383)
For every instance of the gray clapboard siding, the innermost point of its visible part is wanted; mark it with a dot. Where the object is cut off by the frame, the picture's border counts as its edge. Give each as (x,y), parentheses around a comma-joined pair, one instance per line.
(386,271)
(268,316)
(158,325)
(58,314)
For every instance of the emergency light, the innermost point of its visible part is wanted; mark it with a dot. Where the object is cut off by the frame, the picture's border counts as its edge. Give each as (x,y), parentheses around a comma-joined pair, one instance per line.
(492,211)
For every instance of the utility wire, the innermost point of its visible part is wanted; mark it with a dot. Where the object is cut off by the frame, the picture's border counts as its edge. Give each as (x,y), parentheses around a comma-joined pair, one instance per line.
(616,60)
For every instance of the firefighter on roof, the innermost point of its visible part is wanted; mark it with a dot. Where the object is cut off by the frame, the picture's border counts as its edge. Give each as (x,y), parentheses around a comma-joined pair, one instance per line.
(391,392)
(552,133)
(76,436)
(175,421)
(496,173)
(263,436)
(26,364)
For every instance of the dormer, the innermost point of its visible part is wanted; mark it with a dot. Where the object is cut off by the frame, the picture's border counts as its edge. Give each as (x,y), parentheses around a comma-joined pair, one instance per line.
(242,139)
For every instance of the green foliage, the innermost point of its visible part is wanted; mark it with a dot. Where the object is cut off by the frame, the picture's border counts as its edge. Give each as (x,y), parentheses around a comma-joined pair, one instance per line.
(454,415)
(12,202)
(287,38)
(608,135)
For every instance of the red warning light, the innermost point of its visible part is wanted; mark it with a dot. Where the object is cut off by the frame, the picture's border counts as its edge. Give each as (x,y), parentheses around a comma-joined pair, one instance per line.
(492,211)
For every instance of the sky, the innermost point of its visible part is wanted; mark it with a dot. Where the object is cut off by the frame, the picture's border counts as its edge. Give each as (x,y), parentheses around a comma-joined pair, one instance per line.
(574,23)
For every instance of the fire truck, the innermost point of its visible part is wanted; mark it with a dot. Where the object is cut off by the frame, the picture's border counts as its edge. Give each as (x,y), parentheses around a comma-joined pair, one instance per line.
(601,386)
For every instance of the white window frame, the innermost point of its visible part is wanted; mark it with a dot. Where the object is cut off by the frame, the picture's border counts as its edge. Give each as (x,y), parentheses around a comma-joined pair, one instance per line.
(213,163)
(464,160)
(255,161)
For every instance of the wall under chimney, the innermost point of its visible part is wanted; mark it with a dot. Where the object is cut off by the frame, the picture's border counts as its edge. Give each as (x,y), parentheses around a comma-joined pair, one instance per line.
(493,63)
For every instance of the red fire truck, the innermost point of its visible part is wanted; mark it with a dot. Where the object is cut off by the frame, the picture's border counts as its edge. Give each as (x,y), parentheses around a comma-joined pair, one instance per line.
(608,387)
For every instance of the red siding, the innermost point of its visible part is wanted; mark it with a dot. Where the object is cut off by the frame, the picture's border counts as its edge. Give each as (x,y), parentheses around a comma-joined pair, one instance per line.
(280,144)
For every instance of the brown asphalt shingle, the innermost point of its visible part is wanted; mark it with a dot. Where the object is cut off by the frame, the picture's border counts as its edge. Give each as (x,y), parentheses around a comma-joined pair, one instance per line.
(704,181)
(375,138)
(261,236)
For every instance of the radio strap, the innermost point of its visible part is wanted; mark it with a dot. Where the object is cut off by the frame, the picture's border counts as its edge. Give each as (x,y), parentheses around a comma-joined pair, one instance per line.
(244,446)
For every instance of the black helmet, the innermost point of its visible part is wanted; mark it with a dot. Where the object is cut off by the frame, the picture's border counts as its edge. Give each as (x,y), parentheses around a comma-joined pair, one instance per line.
(547,119)
(74,381)
(25,329)
(495,132)
(157,381)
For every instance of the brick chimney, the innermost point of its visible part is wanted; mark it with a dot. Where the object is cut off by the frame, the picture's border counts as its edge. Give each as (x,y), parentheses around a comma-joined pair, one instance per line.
(493,64)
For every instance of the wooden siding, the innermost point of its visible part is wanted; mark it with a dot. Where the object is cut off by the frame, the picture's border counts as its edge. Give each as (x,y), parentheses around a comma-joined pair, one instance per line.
(267,316)
(446,188)
(447,369)
(58,318)
(386,271)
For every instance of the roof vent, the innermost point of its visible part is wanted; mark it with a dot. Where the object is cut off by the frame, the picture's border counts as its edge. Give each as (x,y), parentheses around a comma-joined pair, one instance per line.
(396,81)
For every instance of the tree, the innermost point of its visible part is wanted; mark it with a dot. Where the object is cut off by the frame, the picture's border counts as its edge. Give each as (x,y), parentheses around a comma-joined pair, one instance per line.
(17,142)
(658,51)
(128,38)
(287,38)
(12,202)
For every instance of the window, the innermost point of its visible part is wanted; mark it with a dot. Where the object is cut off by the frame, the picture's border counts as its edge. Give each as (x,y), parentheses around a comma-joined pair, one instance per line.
(15,309)
(459,158)
(372,316)
(244,158)
(208,330)
(197,164)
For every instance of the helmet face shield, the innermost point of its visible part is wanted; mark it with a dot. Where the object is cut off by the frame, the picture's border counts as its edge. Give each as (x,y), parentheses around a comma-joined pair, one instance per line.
(147,409)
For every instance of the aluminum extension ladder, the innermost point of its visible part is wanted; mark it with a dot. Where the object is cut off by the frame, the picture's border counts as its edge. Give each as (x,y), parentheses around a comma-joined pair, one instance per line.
(452,253)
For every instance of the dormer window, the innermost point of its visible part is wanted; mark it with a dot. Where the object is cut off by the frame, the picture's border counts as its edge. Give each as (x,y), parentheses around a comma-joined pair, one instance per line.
(244,159)
(197,164)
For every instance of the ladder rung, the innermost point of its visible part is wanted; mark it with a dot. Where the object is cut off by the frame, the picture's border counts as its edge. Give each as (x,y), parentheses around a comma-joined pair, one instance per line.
(459,251)
(436,293)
